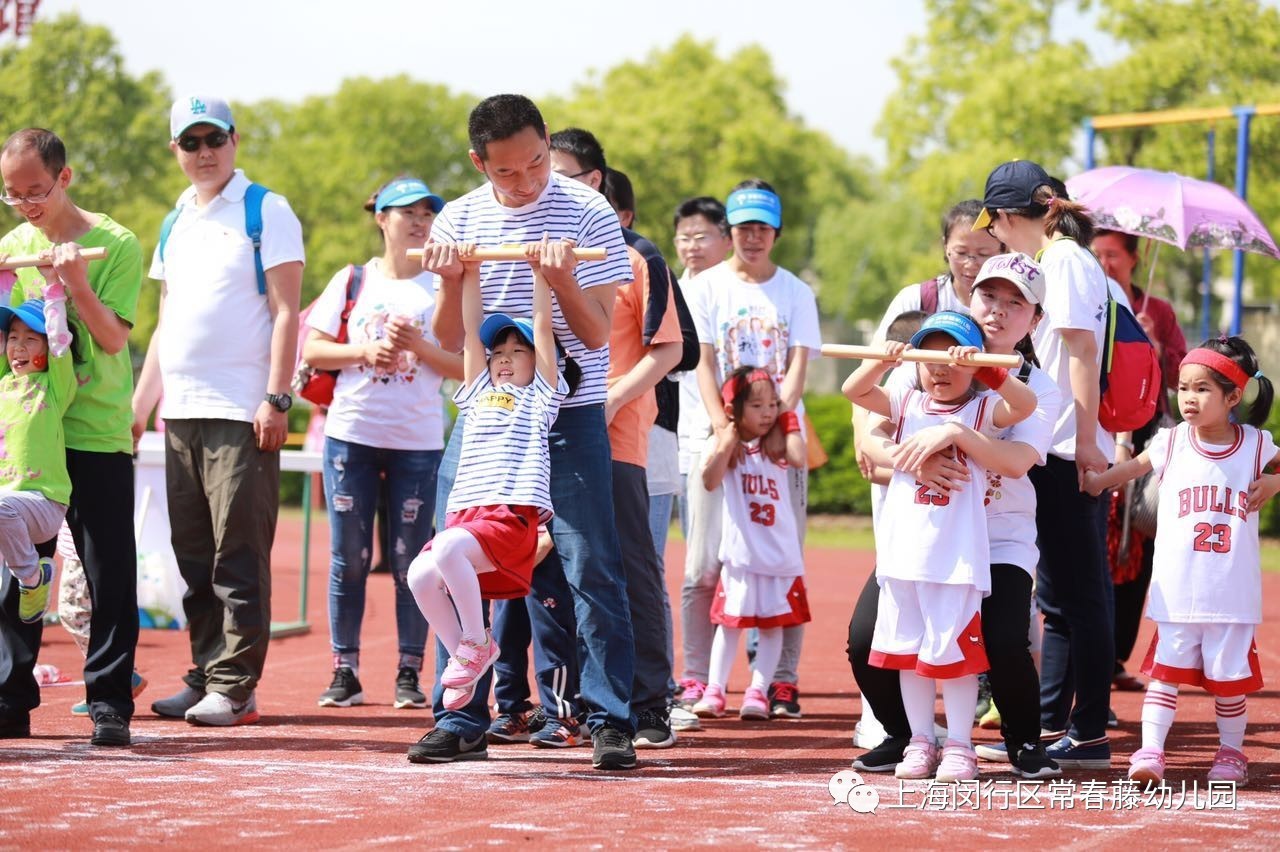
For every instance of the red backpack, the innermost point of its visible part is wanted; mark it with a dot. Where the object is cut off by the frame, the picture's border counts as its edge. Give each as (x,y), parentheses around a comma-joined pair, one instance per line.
(1130,379)
(317,386)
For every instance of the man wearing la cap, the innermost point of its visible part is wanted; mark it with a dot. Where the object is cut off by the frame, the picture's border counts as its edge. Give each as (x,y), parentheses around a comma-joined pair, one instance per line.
(101,298)
(223,353)
(748,311)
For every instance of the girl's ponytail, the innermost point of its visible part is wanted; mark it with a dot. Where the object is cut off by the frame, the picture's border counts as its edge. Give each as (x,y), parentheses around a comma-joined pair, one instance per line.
(1239,351)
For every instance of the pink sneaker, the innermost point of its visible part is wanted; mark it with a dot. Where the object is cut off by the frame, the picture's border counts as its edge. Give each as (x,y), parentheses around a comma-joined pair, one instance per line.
(959,763)
(1230,764)
(755,705)
(469,662)
(691,691)
(919,759)
(455,699)
(711,704)
(1146,766)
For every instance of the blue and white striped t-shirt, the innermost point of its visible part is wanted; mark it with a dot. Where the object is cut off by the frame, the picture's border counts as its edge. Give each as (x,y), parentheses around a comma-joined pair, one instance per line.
(566,209)
(505,458)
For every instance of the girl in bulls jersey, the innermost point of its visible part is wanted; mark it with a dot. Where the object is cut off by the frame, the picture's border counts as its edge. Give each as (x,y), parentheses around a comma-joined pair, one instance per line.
(1206,588)
(761,584)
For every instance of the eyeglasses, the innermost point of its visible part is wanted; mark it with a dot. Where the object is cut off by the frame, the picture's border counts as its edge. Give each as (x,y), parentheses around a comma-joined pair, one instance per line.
(687,240)
(576,174)
(965,259)
(216,139)
(39,198)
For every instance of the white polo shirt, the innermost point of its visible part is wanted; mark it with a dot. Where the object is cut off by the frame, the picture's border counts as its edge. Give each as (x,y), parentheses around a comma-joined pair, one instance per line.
(215,337)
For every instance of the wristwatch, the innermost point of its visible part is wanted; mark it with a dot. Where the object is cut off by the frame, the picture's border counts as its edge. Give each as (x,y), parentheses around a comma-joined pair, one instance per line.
(280,401)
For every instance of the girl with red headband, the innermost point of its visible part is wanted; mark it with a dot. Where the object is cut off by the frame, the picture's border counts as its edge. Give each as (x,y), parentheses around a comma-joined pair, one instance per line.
(1206,588)
(761,582)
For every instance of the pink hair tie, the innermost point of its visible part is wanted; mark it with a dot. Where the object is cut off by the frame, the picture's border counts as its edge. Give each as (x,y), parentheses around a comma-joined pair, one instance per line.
(1218,362)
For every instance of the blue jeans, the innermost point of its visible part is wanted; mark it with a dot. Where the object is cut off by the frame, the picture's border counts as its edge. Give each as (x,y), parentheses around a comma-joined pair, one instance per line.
(586,553)
(352,479)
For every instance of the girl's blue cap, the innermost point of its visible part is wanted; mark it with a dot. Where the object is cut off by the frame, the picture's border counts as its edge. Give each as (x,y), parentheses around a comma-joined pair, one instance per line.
(962,329)
(405,191)
(496,323)
(30,312)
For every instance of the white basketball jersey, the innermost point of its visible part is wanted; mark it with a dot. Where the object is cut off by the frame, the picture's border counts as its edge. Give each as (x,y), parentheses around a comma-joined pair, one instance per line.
(929,537)
(759,525)
(1207,562)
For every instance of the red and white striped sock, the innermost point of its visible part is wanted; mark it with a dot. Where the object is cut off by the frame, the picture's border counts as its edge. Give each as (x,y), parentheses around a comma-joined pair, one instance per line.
(1233,716)
(1157,713)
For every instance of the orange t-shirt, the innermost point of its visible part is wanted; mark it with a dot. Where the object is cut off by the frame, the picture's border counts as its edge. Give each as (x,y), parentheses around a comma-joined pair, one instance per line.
(629,431)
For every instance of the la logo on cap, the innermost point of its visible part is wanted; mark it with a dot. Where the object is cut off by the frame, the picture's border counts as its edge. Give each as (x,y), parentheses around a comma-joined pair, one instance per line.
(198,107)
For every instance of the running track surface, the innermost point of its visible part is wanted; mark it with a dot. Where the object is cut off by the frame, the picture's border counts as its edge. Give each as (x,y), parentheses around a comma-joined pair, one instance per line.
(307,777)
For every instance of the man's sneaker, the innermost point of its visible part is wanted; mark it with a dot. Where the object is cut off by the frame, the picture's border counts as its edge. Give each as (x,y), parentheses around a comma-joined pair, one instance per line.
(755,705)
(1146,766)
(711,704)
(469,662)
(868,733)
(1092,754)
(34,600)
(441,746)
(408,692)
(510,728)
(110,729)
(344,691)
(919,759)
(990,720)
(177,705)
(558,733)
(1032,762)
(612,749)
(15,727)
(958,763)
(683,719)
(1230,764)
(220,711)
(993,752)
(138,683)
(653,730)
(984,698)
(690,691)
(884,757)
(784,700)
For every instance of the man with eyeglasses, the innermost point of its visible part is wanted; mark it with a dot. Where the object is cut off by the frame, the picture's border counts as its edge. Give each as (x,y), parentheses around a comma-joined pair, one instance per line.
(101,298)
(223,354)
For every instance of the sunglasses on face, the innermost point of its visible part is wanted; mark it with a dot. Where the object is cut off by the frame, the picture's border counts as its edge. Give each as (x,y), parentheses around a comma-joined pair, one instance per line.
(216,139)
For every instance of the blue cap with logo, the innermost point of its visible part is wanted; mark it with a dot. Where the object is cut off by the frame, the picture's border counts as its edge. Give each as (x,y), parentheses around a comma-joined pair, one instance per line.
(30,312)
(191,110)
(404,191)
(960,327)
(754,205)
(1010,186)
(494,324)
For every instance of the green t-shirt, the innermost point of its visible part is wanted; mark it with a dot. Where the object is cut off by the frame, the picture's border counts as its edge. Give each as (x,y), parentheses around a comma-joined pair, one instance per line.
(33,455)
(100,418)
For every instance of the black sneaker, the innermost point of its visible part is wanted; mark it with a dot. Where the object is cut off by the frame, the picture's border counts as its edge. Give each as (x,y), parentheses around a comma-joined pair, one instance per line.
(441,746)
(110,729)
(784,700)
(653,730)
(1032,762)
(408,693)
(15,727)
(884,757)
(612,749)
(344,691)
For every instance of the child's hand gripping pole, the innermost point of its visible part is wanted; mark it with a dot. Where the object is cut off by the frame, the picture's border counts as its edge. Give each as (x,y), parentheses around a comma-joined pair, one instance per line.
(926,356)
(516,252)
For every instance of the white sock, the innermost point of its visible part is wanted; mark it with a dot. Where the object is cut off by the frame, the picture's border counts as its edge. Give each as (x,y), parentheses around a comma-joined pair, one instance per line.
(768,652)
(724,647)
(959,701)
(1158,709)
(919,695)
(459,558)
(1233,716)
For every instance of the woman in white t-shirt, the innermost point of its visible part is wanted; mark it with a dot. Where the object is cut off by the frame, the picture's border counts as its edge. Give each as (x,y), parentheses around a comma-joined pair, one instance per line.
(386,422)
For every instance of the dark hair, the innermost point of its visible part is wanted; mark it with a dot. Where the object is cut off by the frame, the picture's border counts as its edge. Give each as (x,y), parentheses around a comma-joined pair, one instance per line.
(501,117)
(742,388)
(53,154)
(705,206)
(1025,348)
(965,211)
(571,371)
(904,326)
(1242,353)
(583,146)
(1061,215)
(758,183)
(1129,241)
(617,188)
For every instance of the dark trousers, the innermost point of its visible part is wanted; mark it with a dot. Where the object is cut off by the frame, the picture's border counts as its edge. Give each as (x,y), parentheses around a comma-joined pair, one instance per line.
(1073,589)
(1130,599)
(545,619)
(100,517)
(224,494)
(646,591)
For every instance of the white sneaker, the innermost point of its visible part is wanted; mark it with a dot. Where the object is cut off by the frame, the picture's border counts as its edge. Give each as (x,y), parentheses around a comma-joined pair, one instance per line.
(219,710)
(176,706)
(682,719)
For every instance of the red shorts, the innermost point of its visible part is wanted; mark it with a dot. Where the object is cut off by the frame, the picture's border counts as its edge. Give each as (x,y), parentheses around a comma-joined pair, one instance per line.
(798,614)
(508,535)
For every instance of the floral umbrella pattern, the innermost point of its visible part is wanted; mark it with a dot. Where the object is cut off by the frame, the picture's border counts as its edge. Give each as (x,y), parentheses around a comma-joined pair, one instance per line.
(1174,209)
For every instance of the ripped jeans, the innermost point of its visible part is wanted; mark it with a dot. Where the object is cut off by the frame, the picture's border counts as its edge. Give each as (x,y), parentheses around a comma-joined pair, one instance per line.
(353,475)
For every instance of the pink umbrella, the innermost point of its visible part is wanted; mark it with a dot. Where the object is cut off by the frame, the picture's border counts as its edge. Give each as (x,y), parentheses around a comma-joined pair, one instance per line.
(1171,208)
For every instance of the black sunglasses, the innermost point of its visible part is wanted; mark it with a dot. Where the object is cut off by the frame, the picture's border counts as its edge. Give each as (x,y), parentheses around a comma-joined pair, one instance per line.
(216,139)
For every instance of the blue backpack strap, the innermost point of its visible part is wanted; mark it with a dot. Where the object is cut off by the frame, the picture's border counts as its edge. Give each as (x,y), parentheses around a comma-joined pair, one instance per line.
(165,227)
(253,227)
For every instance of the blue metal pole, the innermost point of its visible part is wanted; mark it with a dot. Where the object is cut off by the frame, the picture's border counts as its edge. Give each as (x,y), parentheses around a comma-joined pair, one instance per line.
(1089,135)
(1245,117)
(1206,295)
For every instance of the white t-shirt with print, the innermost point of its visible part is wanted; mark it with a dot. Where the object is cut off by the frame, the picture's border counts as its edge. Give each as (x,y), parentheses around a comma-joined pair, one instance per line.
(400,409)
(215,338)
(909,298)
